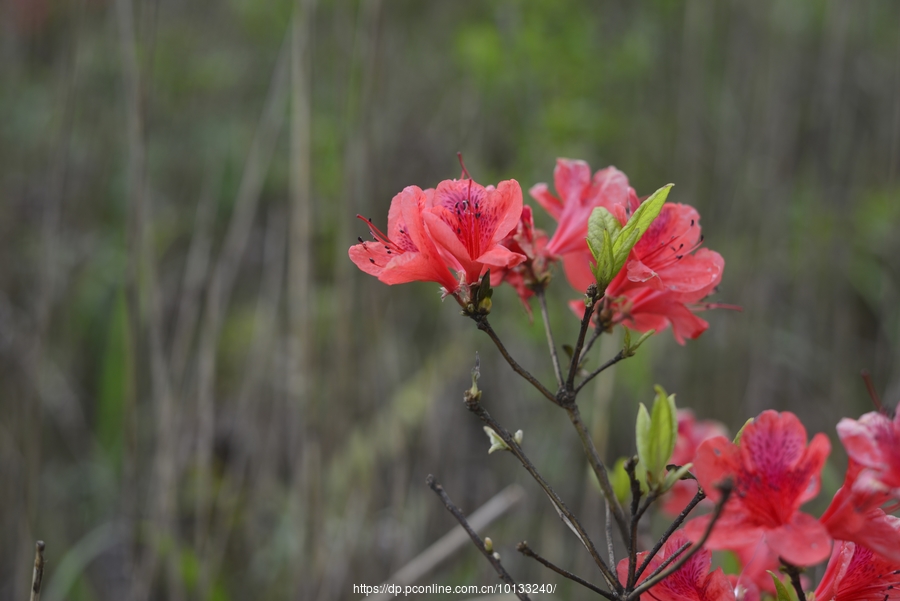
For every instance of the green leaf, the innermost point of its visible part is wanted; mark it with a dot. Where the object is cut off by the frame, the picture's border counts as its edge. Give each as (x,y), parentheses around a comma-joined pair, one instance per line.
(642,435)
(603,228)
(656,434)
(663,429)
(610,242)
(675,475)
(629,349)
(629,235)
(782,593)
(618,477)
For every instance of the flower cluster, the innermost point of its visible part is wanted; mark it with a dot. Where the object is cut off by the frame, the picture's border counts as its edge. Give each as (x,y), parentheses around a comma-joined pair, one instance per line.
(455,233)
(662,282)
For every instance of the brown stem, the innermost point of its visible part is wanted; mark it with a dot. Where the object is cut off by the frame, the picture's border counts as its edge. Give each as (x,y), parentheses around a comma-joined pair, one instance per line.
(542,300)
(491,557)
(599,468)
(485,326)
(671,530)
(38,575)
(525,550)
(594,297)
(621,355)
(568,517)
(630,467)
(794,573)
(686,552)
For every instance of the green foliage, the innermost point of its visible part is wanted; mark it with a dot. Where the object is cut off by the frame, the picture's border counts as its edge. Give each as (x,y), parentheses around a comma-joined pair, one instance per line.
(782,592)
(610,243)
(656,435)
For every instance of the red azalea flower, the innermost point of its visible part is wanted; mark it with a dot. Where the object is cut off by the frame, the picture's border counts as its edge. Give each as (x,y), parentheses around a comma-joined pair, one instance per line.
(532,244)
(467,222)
(873,442)
(407,253)
(856,573)
(773,473)
(578,195)
(663,280)
(692,582)
(690,434)
(855,515)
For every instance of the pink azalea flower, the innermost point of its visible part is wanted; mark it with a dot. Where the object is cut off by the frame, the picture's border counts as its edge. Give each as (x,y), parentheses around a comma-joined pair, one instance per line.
(692,582)
(856,573)
(690,434)
(773,472)
(855,515)
(873,443)
(457,226)
(666,275)
(532,244)
(578,195)
(468,221)
(406,253)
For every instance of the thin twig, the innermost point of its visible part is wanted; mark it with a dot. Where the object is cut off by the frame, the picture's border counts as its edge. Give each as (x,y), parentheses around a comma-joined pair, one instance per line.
(590,343)
(485,326)
(491,557)
(619,356)
(671,530)
(568,517)
(661,573)
(542,300)
(630,467)
(594,297)
(525,550)
(38,575)
(610,547)
(451,542)
(794,573)
(590,450)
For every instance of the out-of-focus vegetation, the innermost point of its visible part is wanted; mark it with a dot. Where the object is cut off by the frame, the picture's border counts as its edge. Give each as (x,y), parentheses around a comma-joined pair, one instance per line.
(201,397)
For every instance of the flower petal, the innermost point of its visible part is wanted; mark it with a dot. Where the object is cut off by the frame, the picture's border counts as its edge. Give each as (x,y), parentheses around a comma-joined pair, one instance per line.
(551,204)
(803,541)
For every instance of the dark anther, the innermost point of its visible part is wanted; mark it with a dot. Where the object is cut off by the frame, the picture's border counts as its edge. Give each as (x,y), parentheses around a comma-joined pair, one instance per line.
(372,260)
(388,252)
(701,238)
(677,257)
(360,239)
(692,223)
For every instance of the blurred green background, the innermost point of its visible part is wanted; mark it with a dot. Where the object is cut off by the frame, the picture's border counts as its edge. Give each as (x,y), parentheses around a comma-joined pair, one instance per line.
(202,398)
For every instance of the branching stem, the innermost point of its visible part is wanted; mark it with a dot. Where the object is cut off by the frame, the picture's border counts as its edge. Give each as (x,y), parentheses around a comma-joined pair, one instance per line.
(485,326)
(670,531)
(525,550)
(567,516)
(685,552)
(491,557)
